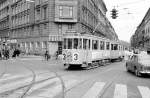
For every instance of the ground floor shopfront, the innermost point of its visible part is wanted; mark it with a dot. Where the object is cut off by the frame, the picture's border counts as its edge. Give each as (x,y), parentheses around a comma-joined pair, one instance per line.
(39,45)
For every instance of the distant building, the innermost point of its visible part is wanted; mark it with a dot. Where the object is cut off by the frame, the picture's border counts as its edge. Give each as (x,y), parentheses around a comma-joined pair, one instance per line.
(38,26)
(141,38)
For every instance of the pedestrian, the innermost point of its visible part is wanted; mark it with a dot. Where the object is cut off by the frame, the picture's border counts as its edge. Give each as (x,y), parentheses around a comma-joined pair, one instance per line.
(46,55)
(7,54)
(17,52)
(57,55)
(14,53)
(3,54)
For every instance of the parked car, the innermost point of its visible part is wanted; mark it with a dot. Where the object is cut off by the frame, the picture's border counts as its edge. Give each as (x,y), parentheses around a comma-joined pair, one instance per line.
(139,64)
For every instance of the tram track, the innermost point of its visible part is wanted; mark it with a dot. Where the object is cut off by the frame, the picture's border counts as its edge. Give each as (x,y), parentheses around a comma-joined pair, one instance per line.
(33,81)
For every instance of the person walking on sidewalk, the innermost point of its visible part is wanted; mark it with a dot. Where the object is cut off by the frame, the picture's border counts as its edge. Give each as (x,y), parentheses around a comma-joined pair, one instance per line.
(47,56)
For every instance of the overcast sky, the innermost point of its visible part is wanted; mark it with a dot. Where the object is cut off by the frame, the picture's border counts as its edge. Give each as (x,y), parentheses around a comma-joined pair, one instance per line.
(131,13)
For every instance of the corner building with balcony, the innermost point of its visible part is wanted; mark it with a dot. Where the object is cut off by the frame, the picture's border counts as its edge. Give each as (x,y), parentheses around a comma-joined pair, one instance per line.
(141,38)
(38,26)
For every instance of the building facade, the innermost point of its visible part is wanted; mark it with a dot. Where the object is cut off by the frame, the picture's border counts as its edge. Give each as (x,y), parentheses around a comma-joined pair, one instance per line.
(141,38)
(38,26)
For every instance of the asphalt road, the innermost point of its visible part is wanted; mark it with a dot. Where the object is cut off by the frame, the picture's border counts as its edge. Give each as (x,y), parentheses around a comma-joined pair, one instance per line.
(110,81)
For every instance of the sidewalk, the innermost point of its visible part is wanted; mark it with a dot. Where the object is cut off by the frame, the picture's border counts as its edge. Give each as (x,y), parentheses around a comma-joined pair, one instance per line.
(36,57)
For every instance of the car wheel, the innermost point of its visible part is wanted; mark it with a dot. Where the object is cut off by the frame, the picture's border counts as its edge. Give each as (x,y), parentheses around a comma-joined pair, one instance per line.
(137,73)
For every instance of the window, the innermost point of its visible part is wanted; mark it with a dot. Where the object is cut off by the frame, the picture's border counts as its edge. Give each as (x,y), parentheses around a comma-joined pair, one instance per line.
(45,26)
(38,45)
(115,47)
(102,45)
(60,29)
(44,45)
(95,44)
(76,43)
(70,26)
(107,45)
(60,11)
(112,47)
(80,43)
(65,43)
(31,46)
(45,12)
(89,44)
(37,14)
(85,45)
(70,11)
(65,11)
(69,43)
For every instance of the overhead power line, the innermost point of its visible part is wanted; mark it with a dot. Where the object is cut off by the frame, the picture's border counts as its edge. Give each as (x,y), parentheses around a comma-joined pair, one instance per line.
(130,3)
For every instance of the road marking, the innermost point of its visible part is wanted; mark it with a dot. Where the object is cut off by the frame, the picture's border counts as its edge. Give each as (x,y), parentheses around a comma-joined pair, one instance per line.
(94,91)
(120,91)
(145,91)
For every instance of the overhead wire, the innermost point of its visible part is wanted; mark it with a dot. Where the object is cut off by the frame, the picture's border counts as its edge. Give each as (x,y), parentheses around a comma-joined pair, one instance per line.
(130,3)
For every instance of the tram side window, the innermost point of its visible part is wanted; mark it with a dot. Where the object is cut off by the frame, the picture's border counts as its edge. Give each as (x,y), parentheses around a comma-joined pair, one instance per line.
(80,43)
(69,43)
(115,47)
(89,44)
(102,45)
(95,44)
(85,45)
(65,43)
(76,43)
(107,45)
(112,47)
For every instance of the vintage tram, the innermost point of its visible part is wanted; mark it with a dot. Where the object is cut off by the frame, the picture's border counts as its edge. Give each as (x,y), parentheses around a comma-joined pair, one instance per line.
(86,50)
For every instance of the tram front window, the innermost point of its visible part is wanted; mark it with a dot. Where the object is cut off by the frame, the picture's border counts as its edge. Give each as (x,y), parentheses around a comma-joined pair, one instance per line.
(76,43)
(69,43)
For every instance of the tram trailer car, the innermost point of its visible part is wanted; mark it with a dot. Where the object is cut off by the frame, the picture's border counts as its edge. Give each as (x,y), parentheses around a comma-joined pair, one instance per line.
(85,50)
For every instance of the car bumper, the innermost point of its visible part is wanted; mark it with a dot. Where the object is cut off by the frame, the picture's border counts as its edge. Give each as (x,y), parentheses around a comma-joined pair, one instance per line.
(145,72)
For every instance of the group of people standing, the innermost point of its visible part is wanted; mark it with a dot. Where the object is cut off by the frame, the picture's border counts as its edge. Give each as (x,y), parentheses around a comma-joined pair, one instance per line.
(4,54)
(48,56)
(7,53)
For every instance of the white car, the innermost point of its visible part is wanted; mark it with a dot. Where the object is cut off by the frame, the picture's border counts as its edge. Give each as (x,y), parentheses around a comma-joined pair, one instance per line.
(139,64)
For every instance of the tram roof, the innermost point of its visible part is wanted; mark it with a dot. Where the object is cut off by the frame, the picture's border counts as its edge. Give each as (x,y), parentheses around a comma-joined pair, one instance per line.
(80,35)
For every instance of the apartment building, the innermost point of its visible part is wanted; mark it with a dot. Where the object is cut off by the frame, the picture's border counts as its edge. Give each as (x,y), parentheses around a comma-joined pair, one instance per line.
(141,38)
(38,26)
(4,20)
